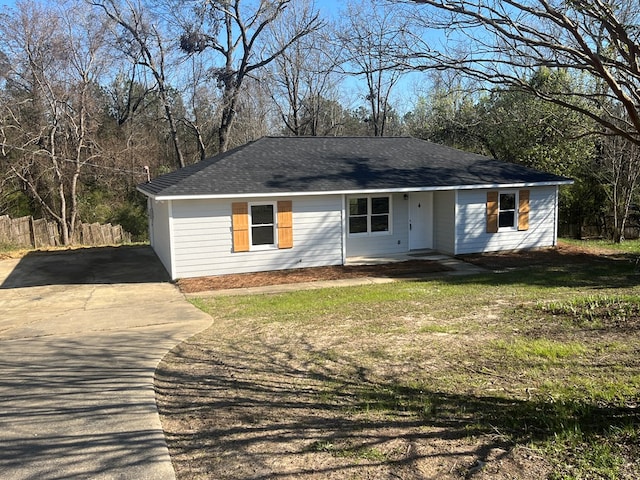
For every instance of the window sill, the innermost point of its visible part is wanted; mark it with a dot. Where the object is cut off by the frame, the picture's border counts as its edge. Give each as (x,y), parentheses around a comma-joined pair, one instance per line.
(368,234)
(262,248)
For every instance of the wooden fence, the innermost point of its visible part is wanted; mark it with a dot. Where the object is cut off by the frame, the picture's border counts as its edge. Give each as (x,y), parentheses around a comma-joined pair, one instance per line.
(36,233)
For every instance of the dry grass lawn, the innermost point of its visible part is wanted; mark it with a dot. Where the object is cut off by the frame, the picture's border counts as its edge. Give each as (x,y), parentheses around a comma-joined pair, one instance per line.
(531,373)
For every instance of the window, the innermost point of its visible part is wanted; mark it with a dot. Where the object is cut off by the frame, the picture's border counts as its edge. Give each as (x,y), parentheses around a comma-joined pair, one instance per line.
(507,210)
(358,214)
(380,214)
(262,224)
(369,214)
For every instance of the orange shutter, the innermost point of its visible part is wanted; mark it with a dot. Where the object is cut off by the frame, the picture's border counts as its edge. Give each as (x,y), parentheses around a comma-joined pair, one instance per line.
(285,224)
(492,212)
(240,226)
(523,210)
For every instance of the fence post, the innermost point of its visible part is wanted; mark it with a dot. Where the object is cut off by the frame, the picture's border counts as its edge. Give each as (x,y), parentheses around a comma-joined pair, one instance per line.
(32,228)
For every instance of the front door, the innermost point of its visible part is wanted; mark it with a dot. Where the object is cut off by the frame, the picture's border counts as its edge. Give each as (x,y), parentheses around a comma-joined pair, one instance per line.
(420,220)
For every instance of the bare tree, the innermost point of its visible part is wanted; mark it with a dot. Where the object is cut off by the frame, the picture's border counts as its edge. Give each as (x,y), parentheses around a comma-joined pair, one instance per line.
(201,108)
(375,40)
(304,76)
(620,170)
(129,131)
(236,31)
(504,41)
(126,93)
(48,123)
(255,115)
(144,43)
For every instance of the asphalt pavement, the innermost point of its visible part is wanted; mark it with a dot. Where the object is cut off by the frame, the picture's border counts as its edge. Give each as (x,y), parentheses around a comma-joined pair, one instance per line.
(81,333)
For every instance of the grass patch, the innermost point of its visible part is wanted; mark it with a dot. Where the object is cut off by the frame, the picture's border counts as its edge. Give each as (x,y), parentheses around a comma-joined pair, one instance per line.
(602,457)
(9,250)
(437,329)
(8,247)
(597,311)
(628,246)
(522,349)
(393,376)
(359,452)
(545,386)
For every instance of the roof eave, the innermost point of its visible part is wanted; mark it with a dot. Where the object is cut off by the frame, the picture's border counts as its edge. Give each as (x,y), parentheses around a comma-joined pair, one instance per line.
(160,197)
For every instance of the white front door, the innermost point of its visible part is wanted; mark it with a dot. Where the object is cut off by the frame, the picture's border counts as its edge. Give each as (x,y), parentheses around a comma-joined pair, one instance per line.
(420,220)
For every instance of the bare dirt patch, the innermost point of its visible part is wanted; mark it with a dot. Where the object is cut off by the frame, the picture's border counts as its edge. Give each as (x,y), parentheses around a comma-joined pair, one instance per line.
(312,274)
(564,254)
(255,412)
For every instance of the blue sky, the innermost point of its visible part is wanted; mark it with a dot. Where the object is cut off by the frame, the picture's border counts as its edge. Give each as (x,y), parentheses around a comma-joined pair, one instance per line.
(404,93)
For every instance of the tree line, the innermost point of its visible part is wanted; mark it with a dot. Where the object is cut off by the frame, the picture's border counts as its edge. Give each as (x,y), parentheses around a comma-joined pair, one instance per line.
(96,95)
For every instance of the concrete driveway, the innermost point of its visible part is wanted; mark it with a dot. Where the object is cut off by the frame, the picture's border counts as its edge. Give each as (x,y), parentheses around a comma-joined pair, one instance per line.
(81,333)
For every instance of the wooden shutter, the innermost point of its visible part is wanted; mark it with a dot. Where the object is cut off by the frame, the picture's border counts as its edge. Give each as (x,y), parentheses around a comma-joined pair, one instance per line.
(523,210)
(285,224)
(240,226)
(492,212)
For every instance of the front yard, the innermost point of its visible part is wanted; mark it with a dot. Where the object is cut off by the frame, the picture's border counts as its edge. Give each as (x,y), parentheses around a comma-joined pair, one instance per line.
(533,372)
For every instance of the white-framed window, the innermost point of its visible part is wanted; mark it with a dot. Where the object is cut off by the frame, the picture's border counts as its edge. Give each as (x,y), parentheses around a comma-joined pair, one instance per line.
(508,209)
(369,215)
(262,225)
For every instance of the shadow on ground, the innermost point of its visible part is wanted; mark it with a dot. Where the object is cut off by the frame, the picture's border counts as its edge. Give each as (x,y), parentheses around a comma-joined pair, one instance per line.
(552,269)
(86,266)
(254,402)
(71,410)
(255,412)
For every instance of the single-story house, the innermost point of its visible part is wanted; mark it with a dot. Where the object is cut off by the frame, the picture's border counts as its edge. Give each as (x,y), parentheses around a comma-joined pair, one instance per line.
(287,202)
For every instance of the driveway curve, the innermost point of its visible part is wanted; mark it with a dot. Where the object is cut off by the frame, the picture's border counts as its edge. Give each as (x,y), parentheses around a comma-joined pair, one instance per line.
(81,333)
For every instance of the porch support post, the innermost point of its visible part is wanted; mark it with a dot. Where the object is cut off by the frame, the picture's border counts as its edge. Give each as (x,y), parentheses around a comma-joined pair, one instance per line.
(344,229)
(172,241)
(556,216)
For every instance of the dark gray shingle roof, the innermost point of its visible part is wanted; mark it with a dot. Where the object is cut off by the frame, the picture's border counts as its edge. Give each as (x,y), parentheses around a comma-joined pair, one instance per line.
(274,165)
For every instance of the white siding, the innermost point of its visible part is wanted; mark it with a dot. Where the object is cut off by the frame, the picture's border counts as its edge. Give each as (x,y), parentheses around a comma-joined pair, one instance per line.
(203,238)
(444,227)
(160,226)
(194,238)
(383,244)
(471,227)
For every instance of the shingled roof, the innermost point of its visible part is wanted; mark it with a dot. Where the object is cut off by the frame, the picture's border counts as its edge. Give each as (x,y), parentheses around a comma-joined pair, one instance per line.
(297,165)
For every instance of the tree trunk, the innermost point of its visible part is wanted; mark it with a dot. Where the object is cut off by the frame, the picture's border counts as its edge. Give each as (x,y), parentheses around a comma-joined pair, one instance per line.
(172,128)
(225,128)
(229,101)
